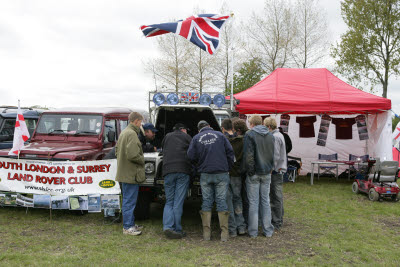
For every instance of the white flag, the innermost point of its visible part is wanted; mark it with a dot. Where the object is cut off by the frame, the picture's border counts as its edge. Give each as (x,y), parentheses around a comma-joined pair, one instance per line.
(21,134)
(396,133)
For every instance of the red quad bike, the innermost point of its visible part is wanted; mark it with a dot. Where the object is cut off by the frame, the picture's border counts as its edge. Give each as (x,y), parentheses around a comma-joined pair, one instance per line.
(378,181)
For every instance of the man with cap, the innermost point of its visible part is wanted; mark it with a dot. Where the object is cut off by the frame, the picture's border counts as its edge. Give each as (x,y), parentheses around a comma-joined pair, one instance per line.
(213,156)
(148,139)
(176,171)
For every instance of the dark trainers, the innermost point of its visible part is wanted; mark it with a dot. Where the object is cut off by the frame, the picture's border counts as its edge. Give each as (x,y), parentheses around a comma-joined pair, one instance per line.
(172,234)
(183,234)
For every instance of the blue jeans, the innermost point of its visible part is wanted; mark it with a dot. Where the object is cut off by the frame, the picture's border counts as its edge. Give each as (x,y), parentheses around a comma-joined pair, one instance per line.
(214,187)
(235,207)
(276,199)
(129,198)
(176,186)
(258,194)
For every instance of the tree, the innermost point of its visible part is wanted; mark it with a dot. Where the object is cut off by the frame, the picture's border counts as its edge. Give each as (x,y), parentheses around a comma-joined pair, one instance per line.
(395,121)
(230,46)
(249,74)
(270,34)
(200,75)
(370,49)
(310,41)
(172,66)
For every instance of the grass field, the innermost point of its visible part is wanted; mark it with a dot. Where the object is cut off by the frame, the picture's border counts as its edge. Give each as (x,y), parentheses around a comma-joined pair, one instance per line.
(325,224)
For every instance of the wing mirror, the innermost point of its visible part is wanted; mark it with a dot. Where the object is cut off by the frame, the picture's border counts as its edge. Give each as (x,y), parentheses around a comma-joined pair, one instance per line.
(111,136)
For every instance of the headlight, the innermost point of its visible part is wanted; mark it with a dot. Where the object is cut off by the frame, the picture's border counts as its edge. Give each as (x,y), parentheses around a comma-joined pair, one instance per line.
(149,167)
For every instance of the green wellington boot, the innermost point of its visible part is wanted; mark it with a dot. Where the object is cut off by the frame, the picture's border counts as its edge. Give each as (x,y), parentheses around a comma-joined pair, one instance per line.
(223,217)
(206,221)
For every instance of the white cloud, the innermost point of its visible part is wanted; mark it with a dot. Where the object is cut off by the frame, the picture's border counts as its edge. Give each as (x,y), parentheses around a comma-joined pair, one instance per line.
(90,53)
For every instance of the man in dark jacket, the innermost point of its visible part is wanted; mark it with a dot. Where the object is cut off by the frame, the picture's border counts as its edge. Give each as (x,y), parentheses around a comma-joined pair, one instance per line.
(288,141)
(258,163)
(176,172)
(240,128)
(148,139)
(213,155)
(234,198)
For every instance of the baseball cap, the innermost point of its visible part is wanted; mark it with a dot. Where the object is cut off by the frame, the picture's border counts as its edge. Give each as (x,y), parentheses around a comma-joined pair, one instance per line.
(149,126)
(202,124)
(180,126)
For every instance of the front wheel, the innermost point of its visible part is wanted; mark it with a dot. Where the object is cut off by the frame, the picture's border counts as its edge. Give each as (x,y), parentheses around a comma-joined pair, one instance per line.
(373,195)
(355,188)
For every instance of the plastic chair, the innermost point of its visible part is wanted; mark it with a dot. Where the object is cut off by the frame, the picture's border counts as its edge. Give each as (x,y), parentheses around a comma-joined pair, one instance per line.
(328,169)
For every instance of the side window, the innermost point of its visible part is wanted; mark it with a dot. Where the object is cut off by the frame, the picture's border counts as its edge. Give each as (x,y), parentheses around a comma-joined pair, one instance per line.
(108,126)
(8,129)
(123,125)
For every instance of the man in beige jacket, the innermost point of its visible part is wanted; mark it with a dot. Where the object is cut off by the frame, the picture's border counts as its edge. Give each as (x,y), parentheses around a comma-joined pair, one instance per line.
(130,171)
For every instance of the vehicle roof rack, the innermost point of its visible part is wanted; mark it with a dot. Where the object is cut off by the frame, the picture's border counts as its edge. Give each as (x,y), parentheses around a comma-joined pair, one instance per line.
(7,108)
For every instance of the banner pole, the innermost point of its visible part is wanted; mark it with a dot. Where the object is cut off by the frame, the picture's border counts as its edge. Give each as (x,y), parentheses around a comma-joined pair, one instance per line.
(19,107)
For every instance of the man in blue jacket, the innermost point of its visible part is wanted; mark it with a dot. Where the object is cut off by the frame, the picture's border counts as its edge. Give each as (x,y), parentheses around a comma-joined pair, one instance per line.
(258,163)
(213,156)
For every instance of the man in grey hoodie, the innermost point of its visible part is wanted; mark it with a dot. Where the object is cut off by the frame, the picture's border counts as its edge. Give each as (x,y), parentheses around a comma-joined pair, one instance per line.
(280,167)
(258,163)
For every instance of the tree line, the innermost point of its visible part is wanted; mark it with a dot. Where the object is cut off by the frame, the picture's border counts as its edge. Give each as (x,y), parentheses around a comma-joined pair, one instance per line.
(285,34)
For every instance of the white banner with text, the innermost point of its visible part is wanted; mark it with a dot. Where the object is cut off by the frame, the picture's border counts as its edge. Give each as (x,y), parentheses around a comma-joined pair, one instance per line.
(59,177)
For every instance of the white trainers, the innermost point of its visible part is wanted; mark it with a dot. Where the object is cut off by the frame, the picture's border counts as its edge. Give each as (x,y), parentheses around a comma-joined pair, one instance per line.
(138,227)
(131,231)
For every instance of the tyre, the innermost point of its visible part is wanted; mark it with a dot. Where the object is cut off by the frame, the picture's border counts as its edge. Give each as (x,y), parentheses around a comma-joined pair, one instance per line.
(373,195)
(355,188)
(142,209)
(395,197)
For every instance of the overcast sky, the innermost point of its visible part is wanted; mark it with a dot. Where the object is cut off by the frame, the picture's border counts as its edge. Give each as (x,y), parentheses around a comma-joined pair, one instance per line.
(90,52)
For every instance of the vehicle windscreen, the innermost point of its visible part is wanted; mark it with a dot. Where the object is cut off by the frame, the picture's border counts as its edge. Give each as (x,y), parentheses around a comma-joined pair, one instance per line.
(73,124)
(8,127)
(169,116)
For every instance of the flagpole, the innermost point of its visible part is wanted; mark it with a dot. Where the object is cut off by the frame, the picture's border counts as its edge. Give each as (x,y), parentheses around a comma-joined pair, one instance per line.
(232,62)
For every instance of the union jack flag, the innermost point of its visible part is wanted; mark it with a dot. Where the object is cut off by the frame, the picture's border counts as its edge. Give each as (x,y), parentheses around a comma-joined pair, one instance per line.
(202,30)
(190,97)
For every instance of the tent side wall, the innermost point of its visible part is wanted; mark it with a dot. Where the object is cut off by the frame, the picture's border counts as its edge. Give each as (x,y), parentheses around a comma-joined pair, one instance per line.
(378,144)
(380,135)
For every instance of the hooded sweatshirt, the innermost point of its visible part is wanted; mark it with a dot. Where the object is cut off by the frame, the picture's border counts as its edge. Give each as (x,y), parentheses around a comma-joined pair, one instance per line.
(258,151)
(280,159)
(211,152)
